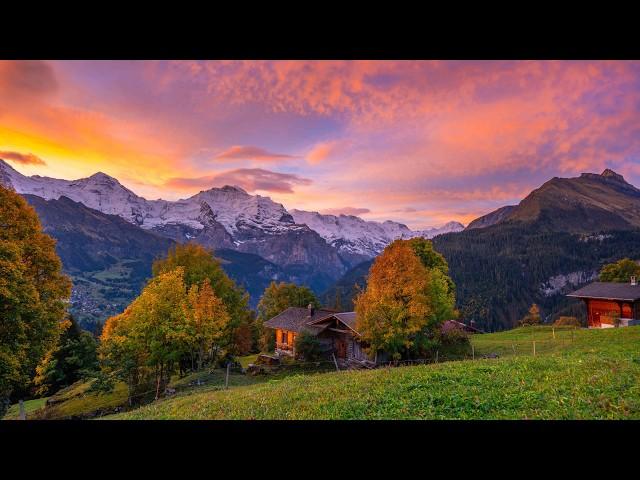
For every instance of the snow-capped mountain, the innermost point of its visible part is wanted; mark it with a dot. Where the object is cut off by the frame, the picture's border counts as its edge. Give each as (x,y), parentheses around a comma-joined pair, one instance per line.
(449,227)
(231,206)
(354,236)
(226,217)
(229,217)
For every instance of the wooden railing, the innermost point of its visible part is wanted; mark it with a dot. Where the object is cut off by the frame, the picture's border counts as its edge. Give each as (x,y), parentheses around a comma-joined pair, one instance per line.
(284,346)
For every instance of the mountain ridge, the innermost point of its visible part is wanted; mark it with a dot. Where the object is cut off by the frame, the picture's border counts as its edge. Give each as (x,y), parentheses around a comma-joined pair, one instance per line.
(227,217)
(583,204)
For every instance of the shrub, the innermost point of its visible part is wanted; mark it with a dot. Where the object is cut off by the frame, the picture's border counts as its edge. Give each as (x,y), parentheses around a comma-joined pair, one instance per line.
(615,318)
(533,317)
(567,322)
(268,340)
(452,340)
(308,346)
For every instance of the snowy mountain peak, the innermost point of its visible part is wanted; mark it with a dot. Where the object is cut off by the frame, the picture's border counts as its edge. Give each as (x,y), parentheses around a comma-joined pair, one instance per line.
(353,235)
(247,218)
(102,177)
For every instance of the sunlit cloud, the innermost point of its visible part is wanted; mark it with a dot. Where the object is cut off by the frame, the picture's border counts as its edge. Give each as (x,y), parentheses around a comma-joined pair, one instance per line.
(23,158)
(250,179)
(345,211)
(239,152)
(321,151)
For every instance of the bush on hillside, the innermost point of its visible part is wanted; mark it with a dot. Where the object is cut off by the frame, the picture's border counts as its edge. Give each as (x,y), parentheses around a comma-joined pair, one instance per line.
(308,347)
(452,340)
(532,318)
(567,322)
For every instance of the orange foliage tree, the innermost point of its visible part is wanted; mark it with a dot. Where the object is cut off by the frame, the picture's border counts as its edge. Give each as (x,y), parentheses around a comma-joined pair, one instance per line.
(396,305)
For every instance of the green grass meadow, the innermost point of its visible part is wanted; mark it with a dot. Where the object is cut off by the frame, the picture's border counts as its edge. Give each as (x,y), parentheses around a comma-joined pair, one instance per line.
(575,374)
(583,374)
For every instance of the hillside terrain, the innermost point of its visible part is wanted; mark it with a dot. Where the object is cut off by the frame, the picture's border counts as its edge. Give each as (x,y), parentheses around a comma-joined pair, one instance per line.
(595,376)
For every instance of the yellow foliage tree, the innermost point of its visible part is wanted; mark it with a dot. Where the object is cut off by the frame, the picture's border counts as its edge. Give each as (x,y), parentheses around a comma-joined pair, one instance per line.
(152,333)
(208,319)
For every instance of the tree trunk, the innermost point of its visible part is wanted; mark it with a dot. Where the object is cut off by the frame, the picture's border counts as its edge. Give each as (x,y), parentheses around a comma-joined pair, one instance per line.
(159,379)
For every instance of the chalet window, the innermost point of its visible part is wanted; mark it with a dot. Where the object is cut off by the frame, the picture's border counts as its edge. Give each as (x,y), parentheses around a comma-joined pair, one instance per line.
(284,337)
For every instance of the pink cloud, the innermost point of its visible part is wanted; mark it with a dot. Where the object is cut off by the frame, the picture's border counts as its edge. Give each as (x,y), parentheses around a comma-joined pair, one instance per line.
(321,151)
(27,78)
(345,211)
(251,179)
(23,158)
(239,152)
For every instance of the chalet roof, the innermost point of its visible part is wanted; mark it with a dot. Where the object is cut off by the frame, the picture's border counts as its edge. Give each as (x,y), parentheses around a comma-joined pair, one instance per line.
(294,318)
(348,318)
(608,291)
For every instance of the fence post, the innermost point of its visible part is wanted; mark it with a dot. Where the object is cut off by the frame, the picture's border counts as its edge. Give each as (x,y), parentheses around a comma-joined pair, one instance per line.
(553,330)
(534,348)
(473,352)
(23,414)
(513,347)
(335,361)
(436,356)
(226,380)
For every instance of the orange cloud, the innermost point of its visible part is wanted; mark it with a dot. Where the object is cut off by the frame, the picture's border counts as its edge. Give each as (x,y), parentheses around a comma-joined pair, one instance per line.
(23,158)
(239,152)
(321,151)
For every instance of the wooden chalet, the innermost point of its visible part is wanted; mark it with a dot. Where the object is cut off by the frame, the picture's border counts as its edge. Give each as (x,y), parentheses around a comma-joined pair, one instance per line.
(335,331)
(607,300)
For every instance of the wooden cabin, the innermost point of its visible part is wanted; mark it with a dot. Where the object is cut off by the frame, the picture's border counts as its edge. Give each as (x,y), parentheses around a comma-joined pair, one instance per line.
(335,331)
(607,300)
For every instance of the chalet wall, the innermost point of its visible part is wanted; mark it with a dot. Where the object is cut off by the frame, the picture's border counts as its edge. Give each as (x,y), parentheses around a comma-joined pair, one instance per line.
(599,311)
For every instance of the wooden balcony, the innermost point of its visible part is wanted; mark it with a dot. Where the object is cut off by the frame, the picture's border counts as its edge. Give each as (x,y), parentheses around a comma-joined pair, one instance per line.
(284,346)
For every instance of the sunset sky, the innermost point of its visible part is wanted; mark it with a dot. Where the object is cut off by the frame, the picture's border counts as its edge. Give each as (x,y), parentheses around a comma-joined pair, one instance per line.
(420,142)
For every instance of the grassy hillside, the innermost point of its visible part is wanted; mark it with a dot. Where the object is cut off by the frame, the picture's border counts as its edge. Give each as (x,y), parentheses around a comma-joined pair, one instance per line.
(30,406)
(595,376)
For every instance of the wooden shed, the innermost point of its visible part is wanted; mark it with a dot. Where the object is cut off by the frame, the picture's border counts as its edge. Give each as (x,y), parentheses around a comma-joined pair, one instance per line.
(607,300)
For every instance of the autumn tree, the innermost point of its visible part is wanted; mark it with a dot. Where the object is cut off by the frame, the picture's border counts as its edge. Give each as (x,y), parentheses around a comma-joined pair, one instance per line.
(199,265)
(533,317)
(276,298)
(396,305)
(120,357)
(442,290)
(620,271)
(73,357)
(33,293)
(207,318)
(153,332)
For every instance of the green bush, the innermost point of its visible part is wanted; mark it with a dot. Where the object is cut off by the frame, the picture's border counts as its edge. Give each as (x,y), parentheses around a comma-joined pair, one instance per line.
(308,347)
(452,341)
